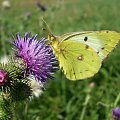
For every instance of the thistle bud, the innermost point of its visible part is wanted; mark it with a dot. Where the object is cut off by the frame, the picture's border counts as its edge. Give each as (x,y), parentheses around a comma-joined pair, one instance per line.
(3,77)
(116,113)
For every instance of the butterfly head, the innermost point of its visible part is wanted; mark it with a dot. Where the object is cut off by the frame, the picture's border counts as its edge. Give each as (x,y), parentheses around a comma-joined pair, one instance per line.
(52,37)
(54,41)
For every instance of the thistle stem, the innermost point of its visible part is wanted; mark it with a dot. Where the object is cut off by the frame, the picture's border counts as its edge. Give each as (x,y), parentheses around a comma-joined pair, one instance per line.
(6,113)
(117,100)
(114,105)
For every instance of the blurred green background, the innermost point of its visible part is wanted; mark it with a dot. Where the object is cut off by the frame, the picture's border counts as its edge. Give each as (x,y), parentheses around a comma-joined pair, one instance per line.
(90,99)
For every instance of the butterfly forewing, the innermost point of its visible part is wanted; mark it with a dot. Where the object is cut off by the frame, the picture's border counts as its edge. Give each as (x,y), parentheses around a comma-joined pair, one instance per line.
(103,42)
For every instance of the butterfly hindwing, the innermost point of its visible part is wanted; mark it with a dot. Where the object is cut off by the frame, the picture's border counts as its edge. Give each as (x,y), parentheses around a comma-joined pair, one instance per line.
(77,60)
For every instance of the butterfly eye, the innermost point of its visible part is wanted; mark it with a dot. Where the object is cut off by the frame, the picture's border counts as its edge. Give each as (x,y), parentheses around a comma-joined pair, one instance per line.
(52,38)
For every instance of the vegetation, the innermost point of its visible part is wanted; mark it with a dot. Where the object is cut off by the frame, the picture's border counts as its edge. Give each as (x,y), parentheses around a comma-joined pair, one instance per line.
(91,99)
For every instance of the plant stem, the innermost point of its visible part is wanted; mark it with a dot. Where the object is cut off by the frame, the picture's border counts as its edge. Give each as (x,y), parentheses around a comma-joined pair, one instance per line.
(85,106)
(117,100)
(6,111)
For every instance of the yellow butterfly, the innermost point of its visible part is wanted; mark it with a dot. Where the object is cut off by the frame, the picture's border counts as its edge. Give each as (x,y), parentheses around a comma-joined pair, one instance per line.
(80,54)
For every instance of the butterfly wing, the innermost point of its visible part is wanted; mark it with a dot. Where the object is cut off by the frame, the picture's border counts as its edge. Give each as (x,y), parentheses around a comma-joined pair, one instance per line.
(77,60)
(103,42)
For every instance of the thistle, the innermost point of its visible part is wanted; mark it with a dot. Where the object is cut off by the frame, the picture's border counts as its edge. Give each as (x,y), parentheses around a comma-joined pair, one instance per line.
(116,113)
(25,73)
(3,77)
(37,56)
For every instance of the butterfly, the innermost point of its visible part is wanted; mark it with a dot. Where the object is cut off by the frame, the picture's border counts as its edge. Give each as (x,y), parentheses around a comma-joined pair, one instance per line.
(80,54)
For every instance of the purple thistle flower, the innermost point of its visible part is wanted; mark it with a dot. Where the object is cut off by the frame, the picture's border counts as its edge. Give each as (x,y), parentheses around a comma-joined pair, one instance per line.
(3,77)
(37,55)
(116,113)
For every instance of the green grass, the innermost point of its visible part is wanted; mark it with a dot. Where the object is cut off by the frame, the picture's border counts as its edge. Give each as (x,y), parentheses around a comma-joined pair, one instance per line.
(64,99)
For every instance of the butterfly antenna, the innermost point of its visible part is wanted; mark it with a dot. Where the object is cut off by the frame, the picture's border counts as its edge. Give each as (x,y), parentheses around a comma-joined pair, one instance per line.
(50,34)
(48,30)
